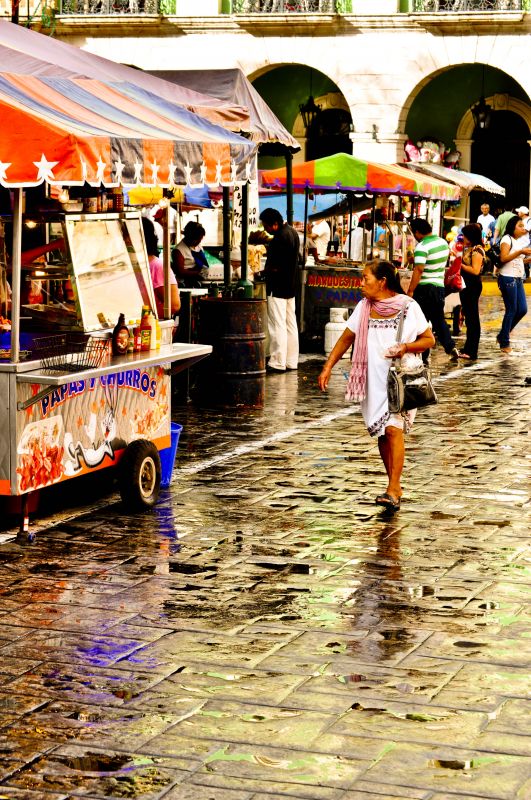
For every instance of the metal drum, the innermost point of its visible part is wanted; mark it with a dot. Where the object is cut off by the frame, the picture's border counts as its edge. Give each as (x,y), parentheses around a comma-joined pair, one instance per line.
(234,375)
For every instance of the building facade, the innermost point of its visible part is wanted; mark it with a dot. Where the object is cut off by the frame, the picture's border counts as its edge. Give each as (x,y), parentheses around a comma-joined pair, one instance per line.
(384,72)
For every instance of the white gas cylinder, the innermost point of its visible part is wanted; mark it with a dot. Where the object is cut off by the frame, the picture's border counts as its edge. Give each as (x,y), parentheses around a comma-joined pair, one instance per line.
(334,329)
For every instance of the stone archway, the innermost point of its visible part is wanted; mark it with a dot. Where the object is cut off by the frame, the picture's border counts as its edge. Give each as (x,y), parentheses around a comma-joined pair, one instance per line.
(464,140)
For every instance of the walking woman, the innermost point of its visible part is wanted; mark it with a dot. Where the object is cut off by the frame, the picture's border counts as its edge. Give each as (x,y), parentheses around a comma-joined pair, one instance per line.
(373,328)
(511,279)
(471,267)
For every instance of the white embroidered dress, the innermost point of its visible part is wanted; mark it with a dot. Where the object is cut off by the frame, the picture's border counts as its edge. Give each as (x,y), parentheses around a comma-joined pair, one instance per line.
(381,336)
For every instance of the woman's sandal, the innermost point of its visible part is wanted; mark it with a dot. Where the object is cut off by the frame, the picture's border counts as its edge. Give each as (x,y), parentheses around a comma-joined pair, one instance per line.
(465,356)
(388,501)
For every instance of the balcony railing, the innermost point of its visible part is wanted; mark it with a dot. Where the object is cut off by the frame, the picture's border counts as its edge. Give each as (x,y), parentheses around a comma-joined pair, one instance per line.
(428,6)
(287,6)
(111,7)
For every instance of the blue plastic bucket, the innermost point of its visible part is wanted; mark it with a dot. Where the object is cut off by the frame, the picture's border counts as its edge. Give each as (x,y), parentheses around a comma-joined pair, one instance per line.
(167,456)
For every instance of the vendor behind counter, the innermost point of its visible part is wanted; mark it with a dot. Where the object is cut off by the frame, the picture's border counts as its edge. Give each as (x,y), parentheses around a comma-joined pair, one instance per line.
(189,261)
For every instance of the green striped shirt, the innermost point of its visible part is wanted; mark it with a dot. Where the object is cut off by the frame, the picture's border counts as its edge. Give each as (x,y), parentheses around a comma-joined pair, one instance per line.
(432,254)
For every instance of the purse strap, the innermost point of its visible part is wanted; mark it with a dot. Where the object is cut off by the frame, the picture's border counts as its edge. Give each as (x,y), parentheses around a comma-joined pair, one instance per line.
(399,330)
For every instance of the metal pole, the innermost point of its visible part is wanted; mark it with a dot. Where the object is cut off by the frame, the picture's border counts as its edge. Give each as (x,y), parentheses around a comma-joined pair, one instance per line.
(289,187)
(306,194)
(245,231)
(226,236)
(166,261)
(373,221)
(350,204)
(16,275)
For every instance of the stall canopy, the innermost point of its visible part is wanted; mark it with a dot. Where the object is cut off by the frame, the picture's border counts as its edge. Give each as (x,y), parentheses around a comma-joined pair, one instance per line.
(321,205)
(26,52)
(231,86)
(346,173)
(67,131)
(466,180)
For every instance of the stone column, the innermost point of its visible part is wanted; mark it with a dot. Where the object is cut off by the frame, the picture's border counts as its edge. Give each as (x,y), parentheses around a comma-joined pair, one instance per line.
(464,146)
(380,146)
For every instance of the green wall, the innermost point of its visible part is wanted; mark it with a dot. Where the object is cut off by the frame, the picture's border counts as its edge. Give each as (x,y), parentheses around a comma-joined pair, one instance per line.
(439,107)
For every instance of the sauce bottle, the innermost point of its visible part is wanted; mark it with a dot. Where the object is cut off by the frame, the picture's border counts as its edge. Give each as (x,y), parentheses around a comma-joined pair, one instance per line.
(145,330)
(131,342)
(153,324)
(120,337)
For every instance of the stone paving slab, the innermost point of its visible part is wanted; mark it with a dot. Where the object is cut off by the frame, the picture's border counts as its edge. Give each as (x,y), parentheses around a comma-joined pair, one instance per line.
(266,631)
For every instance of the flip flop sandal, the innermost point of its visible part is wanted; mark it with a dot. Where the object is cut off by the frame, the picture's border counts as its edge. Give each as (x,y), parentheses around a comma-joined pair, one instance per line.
(388,501)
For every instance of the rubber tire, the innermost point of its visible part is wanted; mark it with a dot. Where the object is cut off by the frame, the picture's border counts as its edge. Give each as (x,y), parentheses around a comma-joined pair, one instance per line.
(139,475)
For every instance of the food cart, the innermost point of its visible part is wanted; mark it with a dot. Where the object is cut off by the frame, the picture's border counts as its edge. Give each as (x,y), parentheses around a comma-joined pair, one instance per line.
(71,407)
(336,283)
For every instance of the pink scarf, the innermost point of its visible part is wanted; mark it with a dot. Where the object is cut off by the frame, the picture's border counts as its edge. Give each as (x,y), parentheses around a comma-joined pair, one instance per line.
(357,382)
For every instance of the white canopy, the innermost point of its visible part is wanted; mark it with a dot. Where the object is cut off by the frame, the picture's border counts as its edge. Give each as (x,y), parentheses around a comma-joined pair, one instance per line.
(466,180)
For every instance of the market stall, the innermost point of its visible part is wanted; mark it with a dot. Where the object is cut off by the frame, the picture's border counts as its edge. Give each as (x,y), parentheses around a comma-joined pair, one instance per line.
(72,404)
(337,284)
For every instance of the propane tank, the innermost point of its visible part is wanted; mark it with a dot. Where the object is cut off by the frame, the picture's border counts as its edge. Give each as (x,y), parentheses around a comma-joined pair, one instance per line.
(334,329)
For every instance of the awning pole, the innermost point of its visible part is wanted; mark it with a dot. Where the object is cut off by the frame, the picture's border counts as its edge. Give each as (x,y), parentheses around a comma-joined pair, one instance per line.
(245,231)
(226,235)
(306,194)
(373,222)
(16,275)
(166,260)
(289,187)
(350,231)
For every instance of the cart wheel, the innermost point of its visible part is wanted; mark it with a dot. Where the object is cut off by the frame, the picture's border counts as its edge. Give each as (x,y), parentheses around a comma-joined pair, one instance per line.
(139,475)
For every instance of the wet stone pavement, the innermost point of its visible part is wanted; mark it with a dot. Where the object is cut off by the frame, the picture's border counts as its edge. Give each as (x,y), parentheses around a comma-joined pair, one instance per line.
(267,632)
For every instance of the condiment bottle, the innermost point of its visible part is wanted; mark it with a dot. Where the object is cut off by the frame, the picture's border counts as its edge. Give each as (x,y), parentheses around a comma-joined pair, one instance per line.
(153,323)
(120,337)
(145,330)
(159,333)
(131,342)
(137,337)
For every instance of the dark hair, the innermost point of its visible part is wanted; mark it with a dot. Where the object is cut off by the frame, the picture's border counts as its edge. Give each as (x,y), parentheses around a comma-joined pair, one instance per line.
(193,231)
(473,233)
(152,245)
(270,215)
(384,269)
(511,225)
(420,225)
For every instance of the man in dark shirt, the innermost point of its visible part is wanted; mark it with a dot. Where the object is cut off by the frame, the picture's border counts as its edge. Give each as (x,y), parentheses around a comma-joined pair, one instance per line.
(281,276)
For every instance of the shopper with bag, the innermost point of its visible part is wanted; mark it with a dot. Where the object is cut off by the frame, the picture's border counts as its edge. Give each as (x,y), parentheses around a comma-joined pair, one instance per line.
(472,265)
(372,328)
(514,249)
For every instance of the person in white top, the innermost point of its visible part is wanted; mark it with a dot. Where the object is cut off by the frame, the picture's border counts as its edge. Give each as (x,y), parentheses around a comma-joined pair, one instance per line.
(320,236)
(523,213)
(486,220)
(514,247)
(372,329)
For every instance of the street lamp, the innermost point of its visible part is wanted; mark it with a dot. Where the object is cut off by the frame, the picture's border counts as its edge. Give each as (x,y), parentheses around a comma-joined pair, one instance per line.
(481,111)
(309,111)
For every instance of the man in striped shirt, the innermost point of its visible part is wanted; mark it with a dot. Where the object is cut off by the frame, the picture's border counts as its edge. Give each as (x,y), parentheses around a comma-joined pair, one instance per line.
(427,282)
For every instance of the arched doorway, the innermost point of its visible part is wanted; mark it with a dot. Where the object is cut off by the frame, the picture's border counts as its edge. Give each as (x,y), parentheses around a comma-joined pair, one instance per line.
(502,152)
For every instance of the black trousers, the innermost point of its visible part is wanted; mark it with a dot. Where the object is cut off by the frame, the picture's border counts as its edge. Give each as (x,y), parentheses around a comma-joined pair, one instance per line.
(431,300)
(470,305)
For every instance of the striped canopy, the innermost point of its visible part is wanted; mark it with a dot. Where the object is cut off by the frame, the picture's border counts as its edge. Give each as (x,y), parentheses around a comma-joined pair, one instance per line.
(346,173)
(65,131)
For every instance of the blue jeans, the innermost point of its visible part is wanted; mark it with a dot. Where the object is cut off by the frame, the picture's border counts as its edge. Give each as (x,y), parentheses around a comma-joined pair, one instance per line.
(513,294)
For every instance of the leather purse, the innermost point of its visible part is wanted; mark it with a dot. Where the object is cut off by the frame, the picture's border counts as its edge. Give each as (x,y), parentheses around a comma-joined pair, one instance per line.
(408,388)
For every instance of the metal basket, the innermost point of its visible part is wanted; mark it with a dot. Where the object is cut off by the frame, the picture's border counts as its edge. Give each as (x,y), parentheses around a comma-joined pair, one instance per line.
(70,352)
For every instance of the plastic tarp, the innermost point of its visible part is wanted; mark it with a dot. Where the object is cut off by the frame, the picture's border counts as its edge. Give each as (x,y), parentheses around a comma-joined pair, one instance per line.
(318,206)
(466,180)
(231,86)
(27,52)
(347,173)
(67,131)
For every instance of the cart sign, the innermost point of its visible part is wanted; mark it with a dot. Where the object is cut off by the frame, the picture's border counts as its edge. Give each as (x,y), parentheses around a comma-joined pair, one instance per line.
(85,425)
